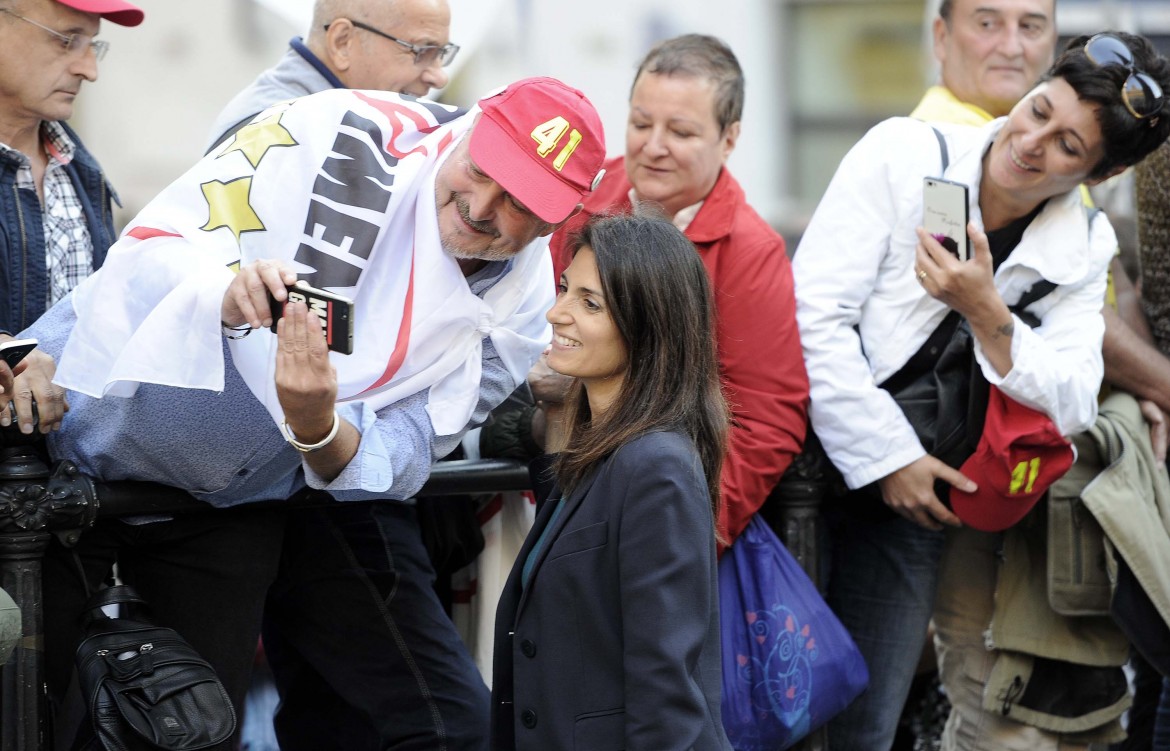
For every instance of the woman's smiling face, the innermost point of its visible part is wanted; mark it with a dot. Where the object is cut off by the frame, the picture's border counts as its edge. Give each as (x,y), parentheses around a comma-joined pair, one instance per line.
(586,341)
(1049,145)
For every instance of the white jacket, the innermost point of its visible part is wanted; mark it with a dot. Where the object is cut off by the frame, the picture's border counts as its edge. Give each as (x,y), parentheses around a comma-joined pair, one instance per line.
(855,268)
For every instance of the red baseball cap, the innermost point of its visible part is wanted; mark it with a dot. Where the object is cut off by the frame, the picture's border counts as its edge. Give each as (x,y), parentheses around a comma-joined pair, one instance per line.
(116,11)
(1019,456)
(542,141)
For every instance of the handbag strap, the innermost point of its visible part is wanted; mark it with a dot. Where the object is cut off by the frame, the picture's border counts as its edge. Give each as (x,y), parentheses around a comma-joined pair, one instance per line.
(923,360)
(942,146)
(927,355)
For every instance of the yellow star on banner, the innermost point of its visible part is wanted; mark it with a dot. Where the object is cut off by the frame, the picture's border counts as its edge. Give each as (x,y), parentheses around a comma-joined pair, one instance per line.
(255,139)
(228,206)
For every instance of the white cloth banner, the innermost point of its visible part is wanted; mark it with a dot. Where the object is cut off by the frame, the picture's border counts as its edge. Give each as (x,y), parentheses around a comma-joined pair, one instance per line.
(341,186)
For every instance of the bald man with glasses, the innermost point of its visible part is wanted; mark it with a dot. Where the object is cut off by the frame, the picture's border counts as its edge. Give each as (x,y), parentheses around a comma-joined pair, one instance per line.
(56,217)
(386,45)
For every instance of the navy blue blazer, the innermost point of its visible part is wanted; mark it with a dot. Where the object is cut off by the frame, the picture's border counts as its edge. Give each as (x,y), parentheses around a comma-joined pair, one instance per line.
(614,644)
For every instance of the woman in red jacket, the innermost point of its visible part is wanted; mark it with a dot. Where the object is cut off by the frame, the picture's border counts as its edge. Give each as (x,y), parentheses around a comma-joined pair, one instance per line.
(684,121)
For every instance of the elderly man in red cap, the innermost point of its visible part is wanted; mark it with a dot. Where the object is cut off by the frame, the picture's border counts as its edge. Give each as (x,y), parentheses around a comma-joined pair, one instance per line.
(56,221)
(434,223)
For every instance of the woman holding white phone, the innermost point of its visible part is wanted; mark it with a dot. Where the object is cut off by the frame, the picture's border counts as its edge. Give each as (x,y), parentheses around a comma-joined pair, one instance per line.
(872,287)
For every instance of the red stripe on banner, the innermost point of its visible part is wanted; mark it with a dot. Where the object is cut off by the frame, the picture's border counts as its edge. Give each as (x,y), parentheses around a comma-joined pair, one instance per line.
(403,342)
(392,111)
(146,233)
(494,506)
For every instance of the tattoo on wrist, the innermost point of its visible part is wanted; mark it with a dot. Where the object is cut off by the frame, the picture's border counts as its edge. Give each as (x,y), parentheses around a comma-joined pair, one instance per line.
(1005,330)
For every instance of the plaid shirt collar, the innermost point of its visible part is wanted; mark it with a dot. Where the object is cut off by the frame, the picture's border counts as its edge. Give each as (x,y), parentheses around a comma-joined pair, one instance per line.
(58,145)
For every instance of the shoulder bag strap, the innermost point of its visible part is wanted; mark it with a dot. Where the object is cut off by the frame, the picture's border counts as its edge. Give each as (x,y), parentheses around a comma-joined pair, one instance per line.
(924,359)
(942,146)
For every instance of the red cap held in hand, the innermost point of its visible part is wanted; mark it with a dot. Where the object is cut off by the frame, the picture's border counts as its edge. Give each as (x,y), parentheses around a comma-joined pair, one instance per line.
(1019,456)
(542,141)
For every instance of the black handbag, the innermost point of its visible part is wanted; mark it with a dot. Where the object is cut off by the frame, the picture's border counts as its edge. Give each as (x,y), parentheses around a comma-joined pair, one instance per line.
(144,687)
(944,395)
(942,392)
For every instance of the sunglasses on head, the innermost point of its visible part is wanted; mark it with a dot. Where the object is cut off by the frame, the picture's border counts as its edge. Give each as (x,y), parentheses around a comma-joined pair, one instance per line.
(1141,94)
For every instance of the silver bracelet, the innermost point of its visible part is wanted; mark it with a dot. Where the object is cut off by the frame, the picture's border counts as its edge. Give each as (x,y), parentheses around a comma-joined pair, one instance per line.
(236,332)
(308,448)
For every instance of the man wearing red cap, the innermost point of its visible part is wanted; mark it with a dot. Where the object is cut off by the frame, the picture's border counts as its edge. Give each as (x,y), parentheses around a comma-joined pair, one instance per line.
(434,223)
(56,219)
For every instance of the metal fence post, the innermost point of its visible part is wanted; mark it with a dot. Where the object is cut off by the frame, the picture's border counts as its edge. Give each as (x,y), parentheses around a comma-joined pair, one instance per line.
(34,505)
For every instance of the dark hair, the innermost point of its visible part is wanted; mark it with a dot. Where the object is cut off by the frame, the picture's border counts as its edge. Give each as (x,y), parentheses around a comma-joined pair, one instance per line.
(660,301)
(701,56)
(1126,139)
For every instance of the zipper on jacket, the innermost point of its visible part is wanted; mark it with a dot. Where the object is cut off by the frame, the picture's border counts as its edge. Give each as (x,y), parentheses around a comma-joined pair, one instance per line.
(107,221)
(17,325)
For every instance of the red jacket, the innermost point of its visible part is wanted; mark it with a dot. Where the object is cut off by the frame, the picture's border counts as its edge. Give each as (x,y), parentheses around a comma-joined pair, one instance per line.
(760,360)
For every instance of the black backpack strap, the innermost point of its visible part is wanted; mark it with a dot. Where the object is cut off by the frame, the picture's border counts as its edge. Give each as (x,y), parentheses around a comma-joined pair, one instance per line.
(119,594)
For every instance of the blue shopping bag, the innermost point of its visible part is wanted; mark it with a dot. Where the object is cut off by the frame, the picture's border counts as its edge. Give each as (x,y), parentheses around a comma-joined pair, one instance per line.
(788,663)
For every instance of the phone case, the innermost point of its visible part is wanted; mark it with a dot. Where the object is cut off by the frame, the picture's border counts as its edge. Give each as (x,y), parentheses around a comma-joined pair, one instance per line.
(944,214)
(12,352)
(334,311)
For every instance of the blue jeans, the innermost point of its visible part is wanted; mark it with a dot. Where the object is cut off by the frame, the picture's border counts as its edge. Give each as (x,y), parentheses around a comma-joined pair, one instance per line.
(363,654)
(882,581)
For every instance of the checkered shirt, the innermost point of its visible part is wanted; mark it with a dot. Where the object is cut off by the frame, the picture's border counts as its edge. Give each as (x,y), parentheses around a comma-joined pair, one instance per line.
(68,247)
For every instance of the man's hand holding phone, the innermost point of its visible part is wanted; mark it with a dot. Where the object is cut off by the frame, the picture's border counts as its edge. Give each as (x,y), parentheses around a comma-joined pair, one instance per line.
(332,311)
(12,352)
(246,299)
(31,381)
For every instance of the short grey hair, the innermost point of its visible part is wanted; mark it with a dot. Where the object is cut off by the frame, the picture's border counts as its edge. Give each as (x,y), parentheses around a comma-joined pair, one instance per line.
(701,56)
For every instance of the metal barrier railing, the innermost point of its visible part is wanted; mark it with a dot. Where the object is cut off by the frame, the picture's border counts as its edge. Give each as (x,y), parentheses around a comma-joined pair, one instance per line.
(37,503)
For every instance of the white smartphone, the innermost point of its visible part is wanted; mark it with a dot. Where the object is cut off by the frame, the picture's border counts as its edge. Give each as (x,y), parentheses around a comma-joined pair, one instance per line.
(12,352)
(944,214)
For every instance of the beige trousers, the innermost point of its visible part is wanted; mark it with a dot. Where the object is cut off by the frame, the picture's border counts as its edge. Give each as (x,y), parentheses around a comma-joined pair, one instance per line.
(962,612)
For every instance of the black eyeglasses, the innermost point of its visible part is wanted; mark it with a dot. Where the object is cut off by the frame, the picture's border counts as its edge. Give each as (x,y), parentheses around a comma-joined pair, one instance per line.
(71,43)
(1141,94)
(424,54)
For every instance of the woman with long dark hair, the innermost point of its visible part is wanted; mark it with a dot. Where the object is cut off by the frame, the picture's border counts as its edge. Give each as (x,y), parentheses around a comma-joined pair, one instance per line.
(607,632)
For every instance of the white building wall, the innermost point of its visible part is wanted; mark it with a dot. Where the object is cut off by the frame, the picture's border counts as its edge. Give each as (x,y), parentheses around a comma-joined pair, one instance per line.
(163,82)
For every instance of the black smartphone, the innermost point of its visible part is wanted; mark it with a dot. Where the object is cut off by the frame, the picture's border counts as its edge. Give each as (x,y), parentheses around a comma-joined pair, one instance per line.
(944,214)
(334,311)
(15,350)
